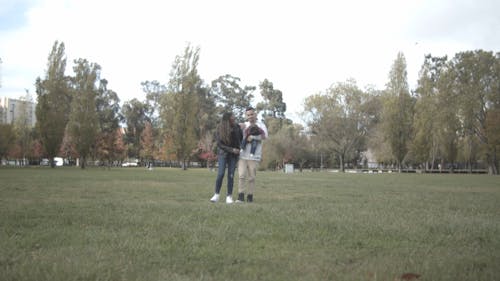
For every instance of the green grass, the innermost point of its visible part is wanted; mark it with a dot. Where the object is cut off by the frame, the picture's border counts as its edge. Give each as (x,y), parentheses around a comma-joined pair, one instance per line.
(133,224)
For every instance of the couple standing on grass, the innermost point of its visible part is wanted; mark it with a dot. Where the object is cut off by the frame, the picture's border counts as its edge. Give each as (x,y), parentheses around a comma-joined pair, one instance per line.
(242,144)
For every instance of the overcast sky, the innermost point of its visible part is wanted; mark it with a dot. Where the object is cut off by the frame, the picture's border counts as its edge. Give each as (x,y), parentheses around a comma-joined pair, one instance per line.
(302,46)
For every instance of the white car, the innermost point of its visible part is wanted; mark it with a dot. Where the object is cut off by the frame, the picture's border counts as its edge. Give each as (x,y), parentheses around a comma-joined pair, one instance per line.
(129,164)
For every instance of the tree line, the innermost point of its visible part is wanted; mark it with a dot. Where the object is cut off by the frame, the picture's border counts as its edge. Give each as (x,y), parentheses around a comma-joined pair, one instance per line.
(450,119)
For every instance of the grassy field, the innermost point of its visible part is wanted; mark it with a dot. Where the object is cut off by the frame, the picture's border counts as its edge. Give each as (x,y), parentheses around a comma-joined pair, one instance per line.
(133,224)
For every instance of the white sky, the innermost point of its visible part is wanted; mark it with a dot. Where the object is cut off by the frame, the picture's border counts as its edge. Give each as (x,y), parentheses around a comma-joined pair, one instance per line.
(302,46)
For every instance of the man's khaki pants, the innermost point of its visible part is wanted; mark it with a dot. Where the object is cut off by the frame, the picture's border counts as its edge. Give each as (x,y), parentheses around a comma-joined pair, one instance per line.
(247,169)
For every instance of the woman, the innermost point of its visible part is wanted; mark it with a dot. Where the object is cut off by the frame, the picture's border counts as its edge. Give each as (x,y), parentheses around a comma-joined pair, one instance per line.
(229,136)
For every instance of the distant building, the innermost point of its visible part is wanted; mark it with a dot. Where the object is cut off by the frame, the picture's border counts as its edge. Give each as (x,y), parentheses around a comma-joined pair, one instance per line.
(12,109)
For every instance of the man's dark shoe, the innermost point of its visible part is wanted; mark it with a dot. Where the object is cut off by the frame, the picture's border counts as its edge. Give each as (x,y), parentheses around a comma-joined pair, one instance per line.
(241,198)
(250,198)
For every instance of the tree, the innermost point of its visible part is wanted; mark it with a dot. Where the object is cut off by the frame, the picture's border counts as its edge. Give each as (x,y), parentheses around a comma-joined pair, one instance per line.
(147,143)
(206,115)
(108,112)
(154,91)
(23,127)
(493,135)
(231,97)
(37,149)
(54,100)
(279,149)
(119,147)
(84,122)
(273,104)
(181,105)
(448,130)
(206,150)
(68,148)
(288,145)
(477,85)
(304,149)
(134,113)
(372,107)
(340,120)
(7,139)
(397,115)
(272,107)
(425,143)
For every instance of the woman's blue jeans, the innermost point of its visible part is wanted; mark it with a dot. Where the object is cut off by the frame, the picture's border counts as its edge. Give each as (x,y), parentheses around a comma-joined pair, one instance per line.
(230,161)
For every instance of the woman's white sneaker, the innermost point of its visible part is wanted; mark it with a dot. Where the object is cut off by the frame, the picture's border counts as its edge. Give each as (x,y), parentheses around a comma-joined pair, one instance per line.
(214,198)
(229,199)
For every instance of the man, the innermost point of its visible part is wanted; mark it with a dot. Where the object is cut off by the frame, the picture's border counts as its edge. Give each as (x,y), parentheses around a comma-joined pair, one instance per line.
(248,163)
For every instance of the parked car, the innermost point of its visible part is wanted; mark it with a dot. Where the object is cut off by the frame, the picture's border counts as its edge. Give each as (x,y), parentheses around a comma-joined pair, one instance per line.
(129,164)
(58,161)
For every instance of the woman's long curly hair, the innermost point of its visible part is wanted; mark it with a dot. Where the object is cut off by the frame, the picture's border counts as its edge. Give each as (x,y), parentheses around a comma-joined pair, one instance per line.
(224,128)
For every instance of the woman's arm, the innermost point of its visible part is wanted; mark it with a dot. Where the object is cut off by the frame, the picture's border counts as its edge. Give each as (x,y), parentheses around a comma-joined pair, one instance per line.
(226,148)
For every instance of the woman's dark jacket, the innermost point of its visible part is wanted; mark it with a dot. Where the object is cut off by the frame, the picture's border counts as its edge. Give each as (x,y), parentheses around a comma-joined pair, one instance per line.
(236,137)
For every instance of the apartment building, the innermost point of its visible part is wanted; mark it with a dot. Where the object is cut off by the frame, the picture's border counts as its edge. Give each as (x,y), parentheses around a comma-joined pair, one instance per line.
(14,109)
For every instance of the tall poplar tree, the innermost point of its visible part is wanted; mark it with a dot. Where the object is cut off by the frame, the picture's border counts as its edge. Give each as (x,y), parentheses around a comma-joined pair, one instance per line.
(54,99)
(397,114)
(181,105)
(84,122)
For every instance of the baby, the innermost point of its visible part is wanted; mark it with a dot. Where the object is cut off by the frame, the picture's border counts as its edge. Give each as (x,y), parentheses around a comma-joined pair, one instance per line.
(253,130)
